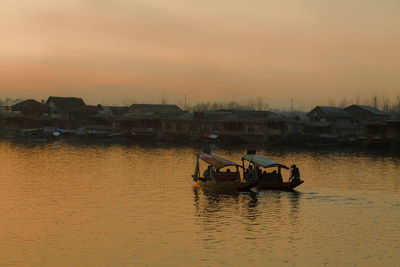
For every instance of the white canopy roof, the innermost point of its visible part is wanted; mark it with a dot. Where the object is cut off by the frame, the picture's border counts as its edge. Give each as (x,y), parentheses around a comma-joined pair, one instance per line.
(262,161)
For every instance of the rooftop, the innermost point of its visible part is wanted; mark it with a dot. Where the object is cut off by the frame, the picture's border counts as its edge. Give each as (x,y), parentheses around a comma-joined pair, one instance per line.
(334,111)
(157,108)
(66,104)
(29,103)
(370,109)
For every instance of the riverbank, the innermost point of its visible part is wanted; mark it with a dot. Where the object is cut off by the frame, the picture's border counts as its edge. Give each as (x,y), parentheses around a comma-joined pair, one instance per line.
(275,131)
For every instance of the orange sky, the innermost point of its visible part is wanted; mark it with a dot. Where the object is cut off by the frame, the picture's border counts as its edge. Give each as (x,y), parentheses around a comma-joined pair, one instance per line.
(110,51)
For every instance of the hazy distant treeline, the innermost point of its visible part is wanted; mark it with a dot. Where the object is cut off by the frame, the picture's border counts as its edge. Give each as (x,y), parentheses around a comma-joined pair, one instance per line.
(248,104)
(10,101)
(380,102)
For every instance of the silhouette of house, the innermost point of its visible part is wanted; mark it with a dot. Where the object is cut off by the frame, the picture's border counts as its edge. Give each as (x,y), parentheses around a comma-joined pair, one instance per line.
(329,123)
(30,107)
(252,114)
(234,114)
(382,133)
(366,113)
(114,110)
(92,110)
(329,114)
(154,110)
(69,107)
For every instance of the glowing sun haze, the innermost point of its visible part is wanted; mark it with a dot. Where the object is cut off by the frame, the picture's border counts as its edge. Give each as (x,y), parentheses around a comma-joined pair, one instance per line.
(105,51)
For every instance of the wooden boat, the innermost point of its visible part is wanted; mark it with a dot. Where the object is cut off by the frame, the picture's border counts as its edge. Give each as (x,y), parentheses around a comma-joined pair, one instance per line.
(268,180)
(284,186)
(218,176)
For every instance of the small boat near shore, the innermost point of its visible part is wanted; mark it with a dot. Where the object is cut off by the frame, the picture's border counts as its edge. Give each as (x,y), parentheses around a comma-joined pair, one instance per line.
(268,180)
(221,175)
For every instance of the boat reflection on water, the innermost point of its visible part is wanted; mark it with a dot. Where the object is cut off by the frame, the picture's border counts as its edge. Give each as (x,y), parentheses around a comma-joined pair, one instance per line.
(282,205)
(214,197)
(264,226)
(215,210)
(254,211)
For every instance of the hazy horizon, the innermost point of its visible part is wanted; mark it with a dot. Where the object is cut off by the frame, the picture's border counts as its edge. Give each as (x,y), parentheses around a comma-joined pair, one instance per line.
(112,52)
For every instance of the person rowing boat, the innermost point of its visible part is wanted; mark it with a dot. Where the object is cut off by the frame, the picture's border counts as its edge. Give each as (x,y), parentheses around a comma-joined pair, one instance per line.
(295,174)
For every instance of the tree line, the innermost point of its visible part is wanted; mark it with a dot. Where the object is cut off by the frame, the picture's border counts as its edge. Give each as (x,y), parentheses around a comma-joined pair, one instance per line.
(10,101)
(247,104)
(388,105)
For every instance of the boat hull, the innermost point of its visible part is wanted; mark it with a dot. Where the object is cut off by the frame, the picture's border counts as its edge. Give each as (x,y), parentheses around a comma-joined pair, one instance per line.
(285,186)
(225,186)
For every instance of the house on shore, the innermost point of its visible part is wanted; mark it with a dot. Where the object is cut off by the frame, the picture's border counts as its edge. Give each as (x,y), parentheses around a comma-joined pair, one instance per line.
(236,114)
(114,110)
(227,125)
(141,121)
(329,124)
(382,133)
(155,110)
(329,114)
(71,108)
(111,117)
(363,113)
(30,107)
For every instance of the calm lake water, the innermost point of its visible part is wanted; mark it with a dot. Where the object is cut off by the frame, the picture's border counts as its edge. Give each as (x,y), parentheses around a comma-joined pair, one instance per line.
(68,205)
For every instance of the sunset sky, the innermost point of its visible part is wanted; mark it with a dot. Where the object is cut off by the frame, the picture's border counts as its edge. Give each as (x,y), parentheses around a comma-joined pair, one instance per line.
(111,51)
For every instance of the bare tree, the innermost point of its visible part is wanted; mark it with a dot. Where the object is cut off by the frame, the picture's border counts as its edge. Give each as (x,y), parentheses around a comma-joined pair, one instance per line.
(385,104)
(343,103)
(375,101)
(127,101)
(164,100)
(259,103)
(233,105)
(357,100)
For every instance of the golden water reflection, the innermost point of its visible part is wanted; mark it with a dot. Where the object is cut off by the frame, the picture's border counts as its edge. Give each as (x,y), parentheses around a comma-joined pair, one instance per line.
(64,205)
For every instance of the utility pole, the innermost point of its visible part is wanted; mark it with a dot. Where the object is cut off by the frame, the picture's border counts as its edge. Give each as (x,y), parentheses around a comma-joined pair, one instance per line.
(185,101)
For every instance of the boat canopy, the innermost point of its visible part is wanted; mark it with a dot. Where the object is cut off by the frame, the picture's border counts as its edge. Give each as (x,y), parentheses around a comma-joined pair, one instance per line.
(216,160)
(262,161)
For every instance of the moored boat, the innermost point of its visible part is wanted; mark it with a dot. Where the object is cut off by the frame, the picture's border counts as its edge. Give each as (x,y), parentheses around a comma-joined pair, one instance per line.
(268,173)
(218,176)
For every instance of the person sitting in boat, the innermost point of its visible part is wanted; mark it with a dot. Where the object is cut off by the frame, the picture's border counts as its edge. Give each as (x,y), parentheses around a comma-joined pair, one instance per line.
(295,175)
(251,170)
(248,170)
(274,177)
(280,174)
(259,172)
(228,170)
(207,172)
(263,175)
(251,175)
